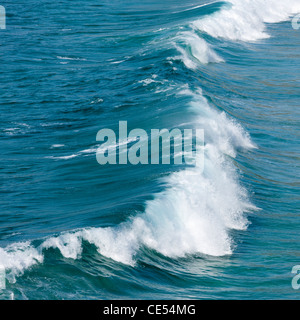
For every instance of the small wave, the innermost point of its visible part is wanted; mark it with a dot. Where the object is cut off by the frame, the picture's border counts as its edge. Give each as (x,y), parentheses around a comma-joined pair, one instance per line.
(194,50)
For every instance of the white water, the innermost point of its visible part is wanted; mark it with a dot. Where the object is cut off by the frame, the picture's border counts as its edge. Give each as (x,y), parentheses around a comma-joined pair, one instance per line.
(238,21)
(245,20)
(195,50)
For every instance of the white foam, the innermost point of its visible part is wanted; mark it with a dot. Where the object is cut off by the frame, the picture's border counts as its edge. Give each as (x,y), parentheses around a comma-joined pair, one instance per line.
(160,29)
(117,62)
(57,146)
(245,20)
(71,156)
(11,131)
(69,245)
(69,58)
(147,81)
(239,21)
(98,100)
(196,50)
(18,257)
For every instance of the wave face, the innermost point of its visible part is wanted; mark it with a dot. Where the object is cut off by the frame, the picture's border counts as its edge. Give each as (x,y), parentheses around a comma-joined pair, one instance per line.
(245,20)
(80,229)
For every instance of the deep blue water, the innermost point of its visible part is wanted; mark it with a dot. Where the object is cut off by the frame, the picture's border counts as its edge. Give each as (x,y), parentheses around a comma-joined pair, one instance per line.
(73,229)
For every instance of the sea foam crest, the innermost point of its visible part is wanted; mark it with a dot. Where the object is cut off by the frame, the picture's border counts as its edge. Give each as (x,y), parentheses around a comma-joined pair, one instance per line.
(245,20)
(18,257)
(193,215)
(194,49)
(238,21)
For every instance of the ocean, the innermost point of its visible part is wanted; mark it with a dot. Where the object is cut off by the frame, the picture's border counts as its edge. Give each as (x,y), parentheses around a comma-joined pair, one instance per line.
(71,228)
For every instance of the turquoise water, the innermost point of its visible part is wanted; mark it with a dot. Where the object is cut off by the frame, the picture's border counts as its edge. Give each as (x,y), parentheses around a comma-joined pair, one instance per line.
(73,229)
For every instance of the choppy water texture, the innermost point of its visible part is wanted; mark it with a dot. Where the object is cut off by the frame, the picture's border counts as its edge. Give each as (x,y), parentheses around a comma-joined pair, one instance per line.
(72,229)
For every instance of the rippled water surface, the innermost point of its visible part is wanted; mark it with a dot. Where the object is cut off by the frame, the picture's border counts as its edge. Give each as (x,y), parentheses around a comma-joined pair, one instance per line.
(73,229)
